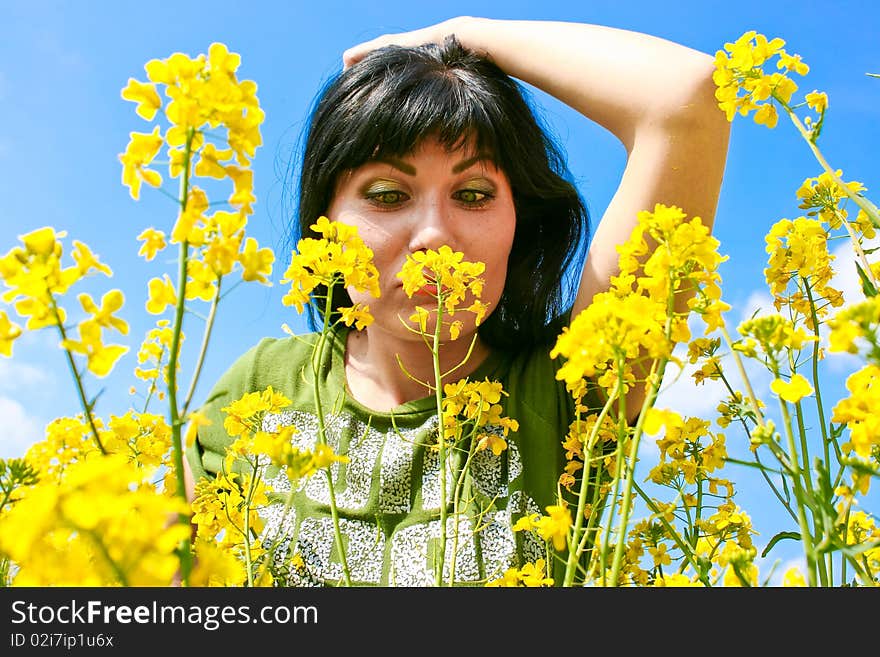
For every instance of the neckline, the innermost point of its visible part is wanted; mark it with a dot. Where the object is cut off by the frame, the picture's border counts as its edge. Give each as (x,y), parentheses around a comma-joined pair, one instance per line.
(415,407)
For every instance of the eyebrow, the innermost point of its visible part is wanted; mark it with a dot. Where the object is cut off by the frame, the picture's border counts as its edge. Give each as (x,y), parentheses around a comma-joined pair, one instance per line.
(410,170)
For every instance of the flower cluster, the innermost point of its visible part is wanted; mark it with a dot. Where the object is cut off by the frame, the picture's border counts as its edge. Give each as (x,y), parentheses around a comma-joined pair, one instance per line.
(101,524)
(448,278)
(340,255)
(205,98)
(473,407)
(743,86)
(637,318)
(36,280)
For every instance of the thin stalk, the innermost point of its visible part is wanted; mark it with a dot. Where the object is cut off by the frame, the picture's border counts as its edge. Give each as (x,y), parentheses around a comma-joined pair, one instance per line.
(246,531)
(750,393)
(685,547)
(185,547)
(806,535)
(456,500)
(869,208)
(622,432)
(441,436)
(815,363)
(574,547)
(209,325)
(322,431)
(648,402)
(87,408)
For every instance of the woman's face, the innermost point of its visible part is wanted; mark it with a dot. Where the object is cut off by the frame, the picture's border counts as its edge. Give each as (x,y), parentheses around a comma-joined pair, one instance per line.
(424,200)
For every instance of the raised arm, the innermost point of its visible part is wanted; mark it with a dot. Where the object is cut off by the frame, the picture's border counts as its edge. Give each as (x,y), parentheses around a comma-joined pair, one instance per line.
(655,96)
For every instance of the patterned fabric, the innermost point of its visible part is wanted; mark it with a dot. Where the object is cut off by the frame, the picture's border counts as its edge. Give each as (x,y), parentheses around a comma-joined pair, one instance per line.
(388,494)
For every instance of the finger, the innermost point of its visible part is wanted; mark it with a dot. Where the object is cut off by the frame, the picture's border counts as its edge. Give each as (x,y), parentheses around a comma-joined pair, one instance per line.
(356,53)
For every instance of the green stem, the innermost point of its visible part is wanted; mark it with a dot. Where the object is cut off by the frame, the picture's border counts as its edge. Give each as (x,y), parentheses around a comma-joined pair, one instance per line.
(635,441)
(173,356)
(209,326)
(86,406)
(246,531)
(317,355)
(683,545)
(456,500)
(574,546)
(750,393)
(441,437)
(797,475)
(869,208)
(815,362)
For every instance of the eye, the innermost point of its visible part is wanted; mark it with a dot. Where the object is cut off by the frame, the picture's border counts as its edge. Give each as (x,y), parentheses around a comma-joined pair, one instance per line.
(472,196)
(387,197)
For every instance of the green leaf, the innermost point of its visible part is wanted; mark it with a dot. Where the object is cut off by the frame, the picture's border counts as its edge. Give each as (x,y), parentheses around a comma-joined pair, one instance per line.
(781,535)
(867,285)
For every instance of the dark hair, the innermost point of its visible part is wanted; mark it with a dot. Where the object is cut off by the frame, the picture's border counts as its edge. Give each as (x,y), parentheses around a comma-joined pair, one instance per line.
(395,97)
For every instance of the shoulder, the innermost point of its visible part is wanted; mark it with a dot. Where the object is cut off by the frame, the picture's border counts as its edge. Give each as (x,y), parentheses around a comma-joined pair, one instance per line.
(262,364)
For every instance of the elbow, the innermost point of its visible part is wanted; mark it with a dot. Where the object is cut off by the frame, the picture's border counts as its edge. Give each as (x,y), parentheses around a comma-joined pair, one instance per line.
(699,109)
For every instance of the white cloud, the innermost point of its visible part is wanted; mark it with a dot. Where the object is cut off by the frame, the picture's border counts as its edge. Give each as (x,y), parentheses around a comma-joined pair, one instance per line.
(759,302)
(683,395)
(16,375)
(18,430)
(846,277)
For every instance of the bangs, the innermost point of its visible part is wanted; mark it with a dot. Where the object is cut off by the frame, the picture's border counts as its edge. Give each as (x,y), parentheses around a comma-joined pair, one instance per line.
(394,116)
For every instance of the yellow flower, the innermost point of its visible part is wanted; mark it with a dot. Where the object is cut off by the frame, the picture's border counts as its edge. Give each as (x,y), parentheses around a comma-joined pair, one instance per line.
(78,530)
(794,390)
(9,331)
(201,281)
(357,315)
(854,324)
(146,97)
(555,525)
(766,115)
(141,150)
(859,410)
(339,254)
(530,575)
(153,242)
(324,456)
(243,188)
(491,441)
(256,262)
(110,303)
(43,241)
(215,565)
(817,101)
(446,276)
(161,295)
(792,63)
(101,357)
(742,85)
(793,578)
(676,580)
(195,420)
(86,261)
(209,161)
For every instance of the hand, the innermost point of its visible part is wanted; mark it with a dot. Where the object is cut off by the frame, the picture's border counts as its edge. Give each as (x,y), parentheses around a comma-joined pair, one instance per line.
(432,34)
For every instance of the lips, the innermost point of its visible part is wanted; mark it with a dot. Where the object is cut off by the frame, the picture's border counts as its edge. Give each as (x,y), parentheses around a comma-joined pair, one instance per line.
(428,289)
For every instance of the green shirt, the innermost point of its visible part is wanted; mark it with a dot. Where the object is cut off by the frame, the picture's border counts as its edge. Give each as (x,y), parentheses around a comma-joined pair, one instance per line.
(388,493)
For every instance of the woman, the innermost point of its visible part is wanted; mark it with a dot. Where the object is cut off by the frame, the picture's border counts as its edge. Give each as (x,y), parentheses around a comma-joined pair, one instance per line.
(425,140)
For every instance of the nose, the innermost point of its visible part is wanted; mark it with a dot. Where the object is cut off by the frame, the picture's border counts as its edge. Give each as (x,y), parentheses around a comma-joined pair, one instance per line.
(432,226)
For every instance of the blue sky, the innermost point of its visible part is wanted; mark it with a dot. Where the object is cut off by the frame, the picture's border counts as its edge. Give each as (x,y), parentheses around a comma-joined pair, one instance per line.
(62,124)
